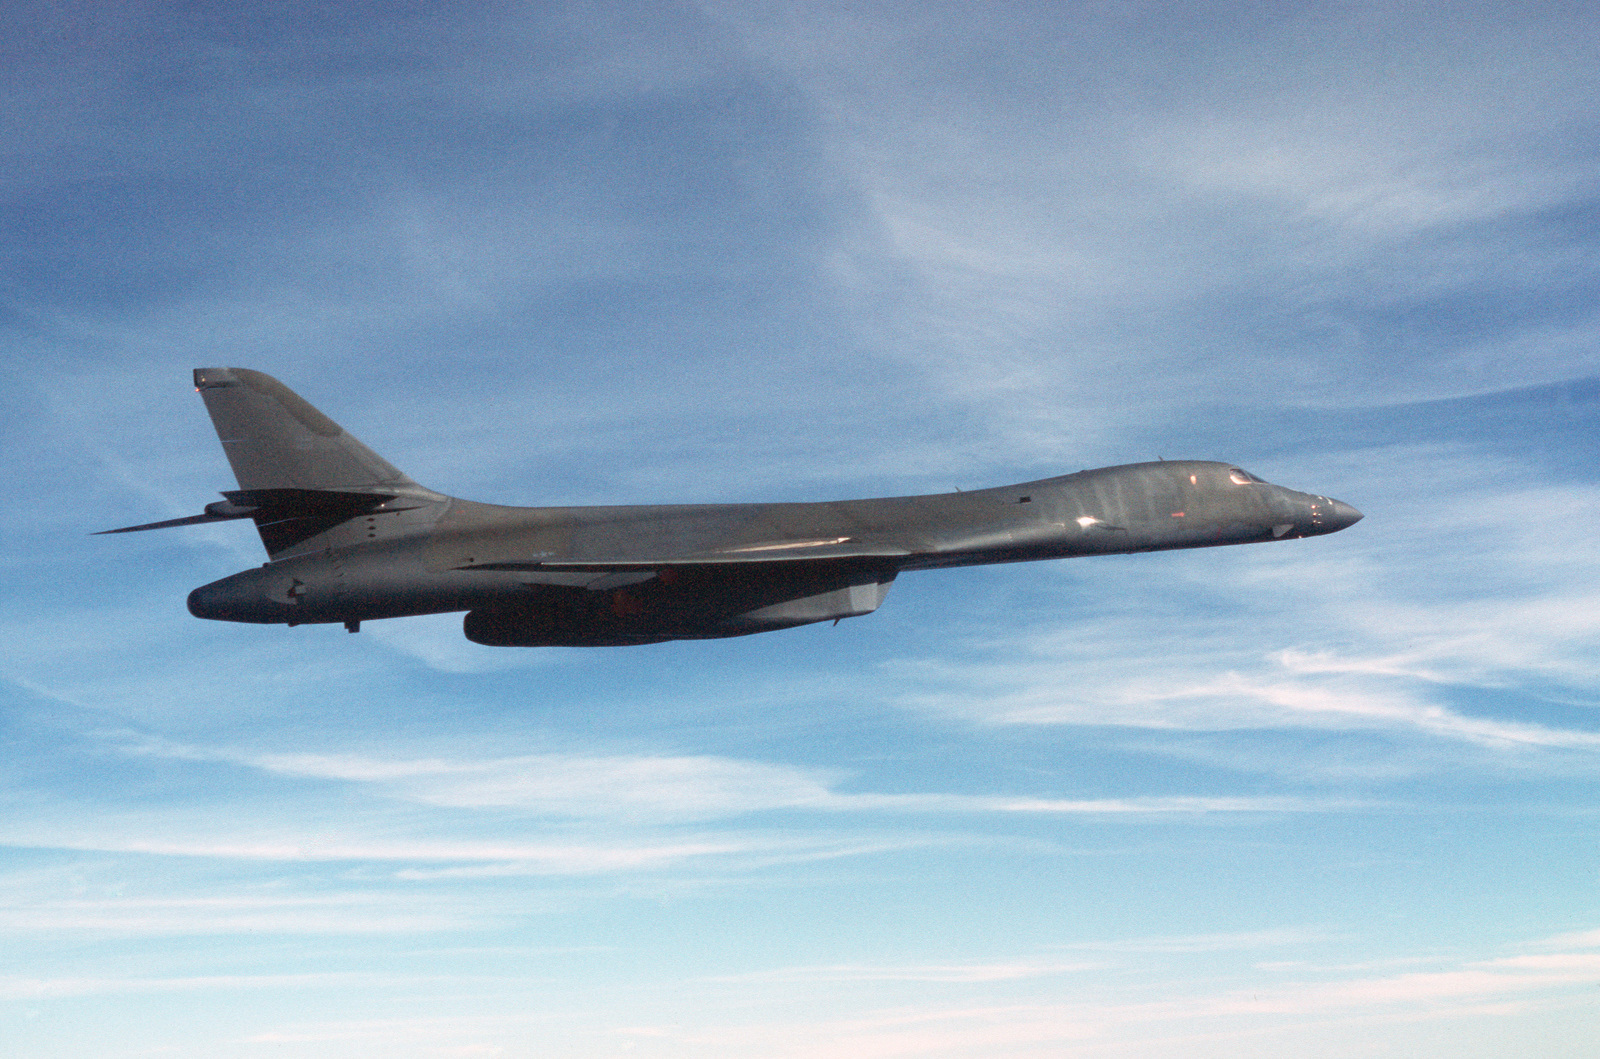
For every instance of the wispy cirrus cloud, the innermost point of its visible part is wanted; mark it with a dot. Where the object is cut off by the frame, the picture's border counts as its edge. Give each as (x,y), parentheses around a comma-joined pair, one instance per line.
(660,788)
(1578,939)
(1037,1007)
(1253,1020)
(348,913)
(1301,209)
(955,973)
(18,987)
(241,842)
(1239,941)
(1268,699)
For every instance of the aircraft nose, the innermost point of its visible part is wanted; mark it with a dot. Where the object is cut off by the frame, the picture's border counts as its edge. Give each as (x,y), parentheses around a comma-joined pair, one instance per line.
(1321,514)
(1340,515)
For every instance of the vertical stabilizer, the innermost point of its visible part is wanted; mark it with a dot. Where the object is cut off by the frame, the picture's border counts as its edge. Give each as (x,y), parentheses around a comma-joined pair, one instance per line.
(306,484)
(275,439)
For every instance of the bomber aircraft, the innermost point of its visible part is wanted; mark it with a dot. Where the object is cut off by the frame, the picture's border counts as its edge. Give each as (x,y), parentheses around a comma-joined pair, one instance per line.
(351,539)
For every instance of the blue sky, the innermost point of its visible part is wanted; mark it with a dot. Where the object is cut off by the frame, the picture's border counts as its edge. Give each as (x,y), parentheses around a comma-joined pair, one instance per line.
(1331,797)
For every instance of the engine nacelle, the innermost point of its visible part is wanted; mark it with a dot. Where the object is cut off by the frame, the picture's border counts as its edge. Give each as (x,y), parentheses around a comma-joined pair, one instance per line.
(691,606)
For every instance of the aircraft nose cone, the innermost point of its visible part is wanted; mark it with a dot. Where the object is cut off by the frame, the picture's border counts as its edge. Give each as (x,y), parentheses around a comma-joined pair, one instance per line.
(1340,516)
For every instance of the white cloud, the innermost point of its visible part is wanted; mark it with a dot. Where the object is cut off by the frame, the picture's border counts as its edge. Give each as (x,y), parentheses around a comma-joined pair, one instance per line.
(959,973)
(1241,941)
(177,916)
(437,642)
(1261,1019)
(1578,939)
(309,845)
(20,987)
(643,788)
(1075,225)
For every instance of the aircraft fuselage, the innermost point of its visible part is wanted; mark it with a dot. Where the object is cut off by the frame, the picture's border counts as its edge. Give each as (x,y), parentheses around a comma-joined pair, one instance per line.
(351,538)
(430,554)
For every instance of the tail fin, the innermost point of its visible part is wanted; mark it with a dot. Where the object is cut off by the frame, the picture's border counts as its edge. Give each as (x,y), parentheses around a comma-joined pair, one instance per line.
(275,439)
(305,483)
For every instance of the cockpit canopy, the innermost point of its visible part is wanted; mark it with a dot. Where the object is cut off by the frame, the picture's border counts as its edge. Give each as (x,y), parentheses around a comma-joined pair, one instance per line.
(1241,477)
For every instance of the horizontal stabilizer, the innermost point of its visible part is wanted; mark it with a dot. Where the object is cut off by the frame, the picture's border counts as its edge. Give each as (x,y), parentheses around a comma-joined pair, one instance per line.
(192,520)
(284,516)
(220,511)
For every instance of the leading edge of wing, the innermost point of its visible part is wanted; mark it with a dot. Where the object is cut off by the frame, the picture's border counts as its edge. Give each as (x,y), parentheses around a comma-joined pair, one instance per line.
(743,555)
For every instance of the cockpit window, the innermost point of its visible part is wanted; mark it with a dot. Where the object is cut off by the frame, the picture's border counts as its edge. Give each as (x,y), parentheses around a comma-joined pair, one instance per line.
(1244,477)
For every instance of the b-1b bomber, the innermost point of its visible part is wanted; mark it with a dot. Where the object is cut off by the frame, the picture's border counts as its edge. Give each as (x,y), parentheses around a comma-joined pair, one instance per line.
(351,539)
